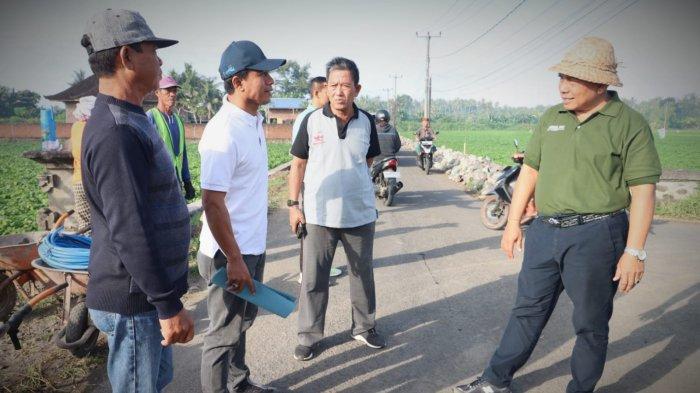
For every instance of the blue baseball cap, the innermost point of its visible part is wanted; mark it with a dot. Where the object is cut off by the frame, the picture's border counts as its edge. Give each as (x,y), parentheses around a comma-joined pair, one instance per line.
(245,55)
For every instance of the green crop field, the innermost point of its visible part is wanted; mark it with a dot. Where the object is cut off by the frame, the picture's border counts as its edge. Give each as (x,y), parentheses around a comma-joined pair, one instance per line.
(20,196)
(678,149)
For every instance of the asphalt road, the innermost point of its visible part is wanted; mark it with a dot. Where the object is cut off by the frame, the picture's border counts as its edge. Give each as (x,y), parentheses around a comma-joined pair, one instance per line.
(444,293)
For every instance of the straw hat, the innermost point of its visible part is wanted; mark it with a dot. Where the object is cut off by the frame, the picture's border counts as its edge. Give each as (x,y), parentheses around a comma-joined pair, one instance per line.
(592,59)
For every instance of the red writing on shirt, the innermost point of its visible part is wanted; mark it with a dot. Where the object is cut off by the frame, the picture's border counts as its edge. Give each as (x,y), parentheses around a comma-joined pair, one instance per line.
(318,139)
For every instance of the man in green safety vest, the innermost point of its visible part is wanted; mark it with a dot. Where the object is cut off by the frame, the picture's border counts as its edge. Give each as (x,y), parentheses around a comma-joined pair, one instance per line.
(171,129)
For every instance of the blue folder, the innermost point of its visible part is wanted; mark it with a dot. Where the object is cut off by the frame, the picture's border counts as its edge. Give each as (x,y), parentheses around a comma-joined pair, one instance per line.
(268,298)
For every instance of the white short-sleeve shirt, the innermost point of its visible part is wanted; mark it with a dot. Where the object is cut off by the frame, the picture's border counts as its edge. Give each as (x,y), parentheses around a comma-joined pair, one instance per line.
(234,160)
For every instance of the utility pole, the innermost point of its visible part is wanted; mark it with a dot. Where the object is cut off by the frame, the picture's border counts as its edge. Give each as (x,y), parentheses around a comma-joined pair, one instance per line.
(428,36)
(395,107)
(388,92)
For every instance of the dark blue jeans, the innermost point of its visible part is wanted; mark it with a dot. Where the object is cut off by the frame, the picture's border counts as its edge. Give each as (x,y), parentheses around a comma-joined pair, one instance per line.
(137,361)
(580,260)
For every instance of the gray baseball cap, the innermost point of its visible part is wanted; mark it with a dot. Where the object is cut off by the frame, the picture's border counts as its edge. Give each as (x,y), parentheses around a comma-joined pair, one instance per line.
(114,28)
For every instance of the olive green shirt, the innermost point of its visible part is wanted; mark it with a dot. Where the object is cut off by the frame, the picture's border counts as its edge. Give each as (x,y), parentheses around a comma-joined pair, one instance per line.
(588,167)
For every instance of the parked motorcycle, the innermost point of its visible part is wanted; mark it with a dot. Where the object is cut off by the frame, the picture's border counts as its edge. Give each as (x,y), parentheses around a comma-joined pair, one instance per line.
(385,176)
(425,154)
(495,207)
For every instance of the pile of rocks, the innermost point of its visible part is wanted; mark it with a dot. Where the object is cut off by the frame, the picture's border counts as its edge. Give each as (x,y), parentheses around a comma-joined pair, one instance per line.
(478,174)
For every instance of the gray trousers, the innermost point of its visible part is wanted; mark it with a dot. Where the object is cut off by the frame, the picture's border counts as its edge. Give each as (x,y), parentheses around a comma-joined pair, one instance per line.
(319,249)
(580,260)
(223,349)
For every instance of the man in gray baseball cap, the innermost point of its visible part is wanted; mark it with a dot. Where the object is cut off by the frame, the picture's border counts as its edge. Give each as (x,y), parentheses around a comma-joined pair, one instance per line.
(140,224)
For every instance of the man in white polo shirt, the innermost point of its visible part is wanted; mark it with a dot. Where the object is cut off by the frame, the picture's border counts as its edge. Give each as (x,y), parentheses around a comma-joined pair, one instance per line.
(332,153)
(234,198)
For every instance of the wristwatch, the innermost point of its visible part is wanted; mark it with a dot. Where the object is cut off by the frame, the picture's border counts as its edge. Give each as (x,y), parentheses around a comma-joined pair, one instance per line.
(641,255)
(291,203)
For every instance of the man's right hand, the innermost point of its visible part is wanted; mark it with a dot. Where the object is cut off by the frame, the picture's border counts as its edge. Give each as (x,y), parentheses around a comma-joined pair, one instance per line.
(238,276)
(296,217)
(512,236)
(177,329)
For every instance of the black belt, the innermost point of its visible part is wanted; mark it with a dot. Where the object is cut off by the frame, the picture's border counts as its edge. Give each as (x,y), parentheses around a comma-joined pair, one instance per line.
(578,219)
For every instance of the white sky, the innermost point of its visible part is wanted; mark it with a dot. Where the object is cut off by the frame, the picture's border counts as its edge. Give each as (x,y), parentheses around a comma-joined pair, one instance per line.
(656,41)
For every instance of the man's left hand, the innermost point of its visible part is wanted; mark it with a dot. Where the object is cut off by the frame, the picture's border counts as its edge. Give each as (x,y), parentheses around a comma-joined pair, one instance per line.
(189,190)
(629,272)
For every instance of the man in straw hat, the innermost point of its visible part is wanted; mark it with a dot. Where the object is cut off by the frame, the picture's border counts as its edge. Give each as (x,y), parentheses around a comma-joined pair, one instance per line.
(140,224)
(589,159)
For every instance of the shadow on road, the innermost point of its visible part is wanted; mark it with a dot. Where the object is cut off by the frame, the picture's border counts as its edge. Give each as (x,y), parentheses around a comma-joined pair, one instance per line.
(491,243)
(678,325)
(431,347)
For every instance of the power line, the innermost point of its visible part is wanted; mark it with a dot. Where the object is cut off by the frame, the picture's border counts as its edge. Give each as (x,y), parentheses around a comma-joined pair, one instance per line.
(484,33)
(450,74)
(456,22)
(442,15)
(459,13)
(561,47)
(506,62)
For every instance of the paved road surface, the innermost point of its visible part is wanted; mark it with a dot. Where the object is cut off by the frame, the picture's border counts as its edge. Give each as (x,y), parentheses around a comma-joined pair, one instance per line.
(444,293)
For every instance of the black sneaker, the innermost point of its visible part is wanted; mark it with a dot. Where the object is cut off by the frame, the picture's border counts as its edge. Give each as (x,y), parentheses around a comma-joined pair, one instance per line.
(481,385)
(371,338)
(248,386)
(303,353)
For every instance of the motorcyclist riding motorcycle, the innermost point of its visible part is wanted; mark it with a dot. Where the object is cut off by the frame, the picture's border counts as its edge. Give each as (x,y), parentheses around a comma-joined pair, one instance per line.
(424,154)
(389,144)
(389,140)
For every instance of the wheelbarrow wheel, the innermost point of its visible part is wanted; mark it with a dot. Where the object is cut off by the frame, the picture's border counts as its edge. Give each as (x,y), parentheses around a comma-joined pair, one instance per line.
(77,327)
(87,348)
(8,299)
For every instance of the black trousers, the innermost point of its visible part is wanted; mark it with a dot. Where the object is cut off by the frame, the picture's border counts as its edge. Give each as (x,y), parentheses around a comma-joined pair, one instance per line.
(580,260)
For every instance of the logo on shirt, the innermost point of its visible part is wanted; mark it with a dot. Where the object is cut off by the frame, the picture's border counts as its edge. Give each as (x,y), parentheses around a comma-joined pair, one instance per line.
(556,128)
(318,139)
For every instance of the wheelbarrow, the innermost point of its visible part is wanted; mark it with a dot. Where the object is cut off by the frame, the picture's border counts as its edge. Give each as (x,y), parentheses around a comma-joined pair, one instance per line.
(77,334)
(16,255)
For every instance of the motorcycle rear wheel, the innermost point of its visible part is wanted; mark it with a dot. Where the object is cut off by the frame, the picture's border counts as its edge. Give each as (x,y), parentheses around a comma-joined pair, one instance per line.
(494,213)
(391,185)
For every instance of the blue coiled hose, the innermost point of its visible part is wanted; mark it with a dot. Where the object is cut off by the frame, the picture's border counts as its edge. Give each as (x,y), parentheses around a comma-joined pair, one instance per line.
(65,251)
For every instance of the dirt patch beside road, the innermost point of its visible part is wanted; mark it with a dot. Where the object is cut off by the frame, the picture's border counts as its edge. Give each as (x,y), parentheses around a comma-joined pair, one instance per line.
(40,366)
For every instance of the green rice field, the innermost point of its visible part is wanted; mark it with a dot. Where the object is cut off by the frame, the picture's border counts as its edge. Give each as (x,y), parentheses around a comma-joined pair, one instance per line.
(20,196)
(677,150)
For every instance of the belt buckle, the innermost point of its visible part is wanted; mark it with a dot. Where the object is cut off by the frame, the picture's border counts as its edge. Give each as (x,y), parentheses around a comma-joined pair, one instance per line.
(553,221)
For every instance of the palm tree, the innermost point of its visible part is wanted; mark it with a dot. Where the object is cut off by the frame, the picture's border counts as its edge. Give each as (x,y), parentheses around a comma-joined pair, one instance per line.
(78,76)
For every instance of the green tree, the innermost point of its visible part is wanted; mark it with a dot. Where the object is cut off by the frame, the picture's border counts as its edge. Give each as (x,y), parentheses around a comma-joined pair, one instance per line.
(292,80)
(199,96)
(22,103)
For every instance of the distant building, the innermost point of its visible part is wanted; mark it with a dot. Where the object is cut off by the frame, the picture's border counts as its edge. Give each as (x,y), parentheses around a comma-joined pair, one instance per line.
(284,110)
(88,87)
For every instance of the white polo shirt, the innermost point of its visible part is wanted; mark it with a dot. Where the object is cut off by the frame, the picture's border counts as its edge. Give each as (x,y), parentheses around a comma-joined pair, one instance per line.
(338,190)
(234,160)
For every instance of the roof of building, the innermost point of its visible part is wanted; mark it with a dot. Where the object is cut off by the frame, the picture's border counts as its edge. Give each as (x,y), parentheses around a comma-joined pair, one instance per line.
(287,103)
(86,87)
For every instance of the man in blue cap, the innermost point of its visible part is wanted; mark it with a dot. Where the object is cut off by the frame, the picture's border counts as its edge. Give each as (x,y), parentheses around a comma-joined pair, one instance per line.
(140,224)
(234,197)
